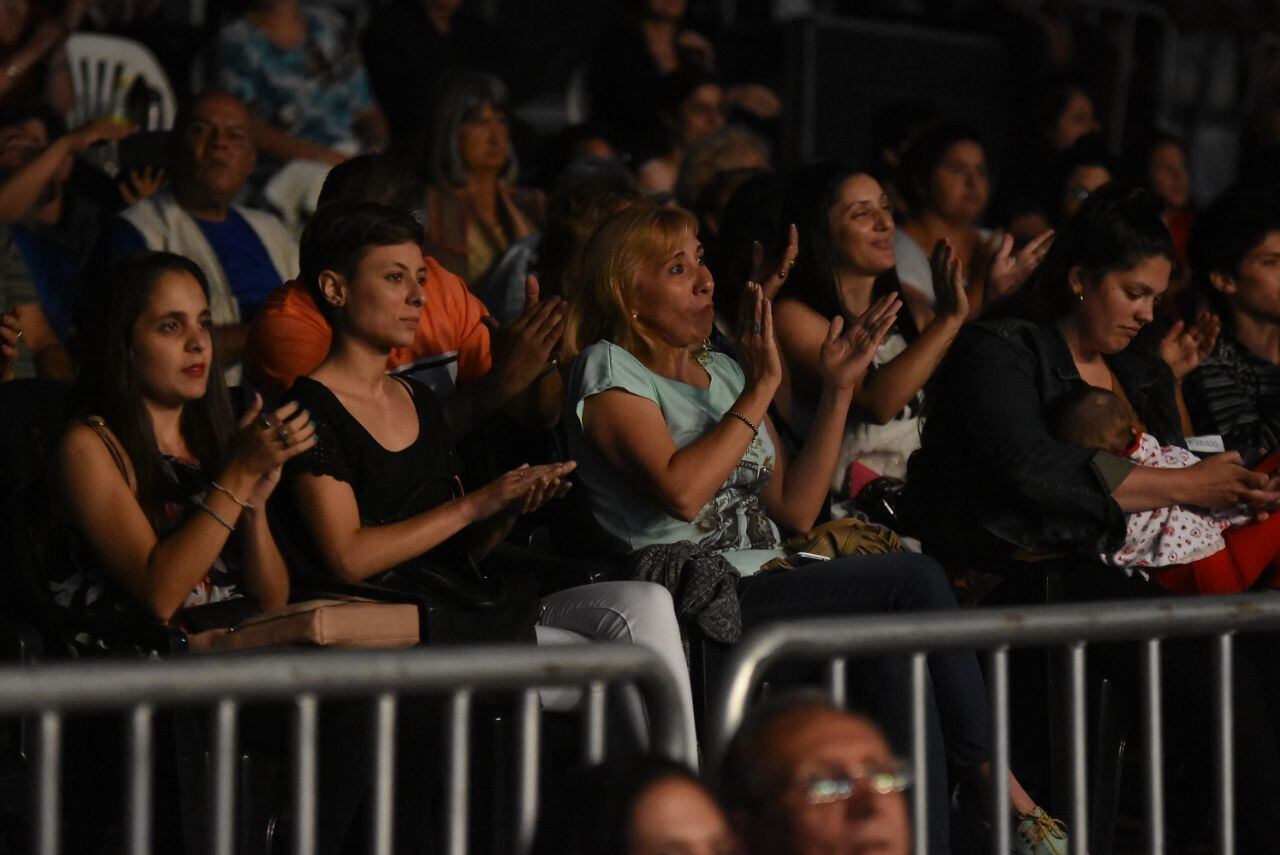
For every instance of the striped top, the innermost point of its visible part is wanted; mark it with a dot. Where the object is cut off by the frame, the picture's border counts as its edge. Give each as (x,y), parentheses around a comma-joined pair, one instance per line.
(1235,393)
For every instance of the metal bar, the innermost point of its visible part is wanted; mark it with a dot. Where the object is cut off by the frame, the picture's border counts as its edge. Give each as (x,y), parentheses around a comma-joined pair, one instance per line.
(305,769)
(459,763)
(593,733)
(1079,787)
(223,792)
(356,674)
(838,681)
(139,785)
(527,793)
(1034,626)
(1226,746)
(1152,712)
(48,787)
(919,754)
(384,772)
(998,691)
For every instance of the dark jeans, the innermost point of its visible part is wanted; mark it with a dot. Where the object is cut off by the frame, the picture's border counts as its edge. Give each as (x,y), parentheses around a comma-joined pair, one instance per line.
(1189,694)
(956,712)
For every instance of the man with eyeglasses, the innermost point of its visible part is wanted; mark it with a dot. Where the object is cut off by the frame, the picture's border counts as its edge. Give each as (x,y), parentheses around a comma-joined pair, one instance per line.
(802,777)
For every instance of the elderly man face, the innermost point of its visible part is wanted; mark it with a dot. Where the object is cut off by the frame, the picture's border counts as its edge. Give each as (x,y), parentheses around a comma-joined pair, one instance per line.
(213,153)
(834,788)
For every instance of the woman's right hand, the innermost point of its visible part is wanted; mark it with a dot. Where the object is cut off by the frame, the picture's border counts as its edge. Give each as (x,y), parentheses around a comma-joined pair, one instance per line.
(266,440)
(1222,481)
(521,491)
(757,345)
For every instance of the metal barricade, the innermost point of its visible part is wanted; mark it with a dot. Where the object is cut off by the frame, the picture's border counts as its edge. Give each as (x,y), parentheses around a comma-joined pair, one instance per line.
(305,678)
(996,631)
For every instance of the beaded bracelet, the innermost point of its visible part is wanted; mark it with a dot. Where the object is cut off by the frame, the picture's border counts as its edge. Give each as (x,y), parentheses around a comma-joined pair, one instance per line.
(248,506)
(211,512)
(755,431)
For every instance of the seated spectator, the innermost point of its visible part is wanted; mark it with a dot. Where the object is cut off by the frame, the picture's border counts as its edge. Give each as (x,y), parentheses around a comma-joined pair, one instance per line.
(630,62)
(474,209)
(587,194)
(246,254)
(803,777)
(298,69)
(1061,113)
(845,263)
(47,231)
(33,58)
(733,149)
(639,806)
(947,188)
(1083,169)
(453,350)
(1165,169)
(381,493)
(156,476)
(690,109)
(1235,255)
(990,486)
(411,46)
(684,469)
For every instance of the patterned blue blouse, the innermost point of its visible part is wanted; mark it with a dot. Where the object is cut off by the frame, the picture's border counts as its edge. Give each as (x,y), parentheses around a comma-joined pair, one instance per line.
(313,92)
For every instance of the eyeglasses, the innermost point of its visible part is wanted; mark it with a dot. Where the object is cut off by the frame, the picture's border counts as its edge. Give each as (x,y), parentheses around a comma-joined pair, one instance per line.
(882,780)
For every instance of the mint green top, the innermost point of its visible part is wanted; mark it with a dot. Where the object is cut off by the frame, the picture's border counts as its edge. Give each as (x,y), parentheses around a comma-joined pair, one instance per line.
(734,521)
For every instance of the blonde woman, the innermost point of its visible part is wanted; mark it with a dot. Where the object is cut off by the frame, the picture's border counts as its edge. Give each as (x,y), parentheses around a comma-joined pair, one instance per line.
(673,443)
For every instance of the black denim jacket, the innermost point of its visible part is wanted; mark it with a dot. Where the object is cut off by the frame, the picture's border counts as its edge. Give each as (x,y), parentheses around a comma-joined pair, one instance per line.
(989,480)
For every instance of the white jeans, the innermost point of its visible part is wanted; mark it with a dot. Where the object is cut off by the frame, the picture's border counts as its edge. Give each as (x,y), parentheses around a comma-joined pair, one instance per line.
(628,612)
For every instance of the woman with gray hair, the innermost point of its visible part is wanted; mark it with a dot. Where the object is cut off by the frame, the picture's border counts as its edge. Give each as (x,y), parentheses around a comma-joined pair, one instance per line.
(474,209)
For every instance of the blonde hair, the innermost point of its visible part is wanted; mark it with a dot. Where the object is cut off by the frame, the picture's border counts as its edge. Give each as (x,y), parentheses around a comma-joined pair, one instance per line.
(601,307)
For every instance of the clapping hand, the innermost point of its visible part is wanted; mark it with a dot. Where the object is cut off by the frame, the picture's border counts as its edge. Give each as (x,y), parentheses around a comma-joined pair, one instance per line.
(773,279)
(522,490)
(1185,346)
(522,348)
(949,288)
(757,346)
(1009,270)
(847,353)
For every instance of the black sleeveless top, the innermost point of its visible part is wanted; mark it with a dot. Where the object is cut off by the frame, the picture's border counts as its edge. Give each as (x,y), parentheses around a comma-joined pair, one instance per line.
(389,486)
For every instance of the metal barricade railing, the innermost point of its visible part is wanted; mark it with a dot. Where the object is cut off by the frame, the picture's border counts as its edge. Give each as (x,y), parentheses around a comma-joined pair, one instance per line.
(995,631)
(306,678)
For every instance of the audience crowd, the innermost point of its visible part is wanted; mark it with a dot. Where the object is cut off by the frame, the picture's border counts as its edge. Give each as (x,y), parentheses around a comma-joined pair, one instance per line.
(650,382)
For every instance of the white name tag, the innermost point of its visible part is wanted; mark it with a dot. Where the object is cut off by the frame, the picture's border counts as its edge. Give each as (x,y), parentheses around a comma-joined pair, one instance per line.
(1210,444)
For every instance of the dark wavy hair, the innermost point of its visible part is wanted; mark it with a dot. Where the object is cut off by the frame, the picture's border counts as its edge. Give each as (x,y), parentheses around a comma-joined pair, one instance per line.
(1226,232)
(108,382)
(807,202)
(1116,228)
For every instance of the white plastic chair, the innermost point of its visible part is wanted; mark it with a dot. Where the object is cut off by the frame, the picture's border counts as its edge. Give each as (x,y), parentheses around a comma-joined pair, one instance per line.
(102,70)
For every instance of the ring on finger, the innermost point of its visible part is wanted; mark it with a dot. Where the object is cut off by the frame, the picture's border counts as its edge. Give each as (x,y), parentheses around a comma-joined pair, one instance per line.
(782,273)
(18,337)
(757,327)
(265,421)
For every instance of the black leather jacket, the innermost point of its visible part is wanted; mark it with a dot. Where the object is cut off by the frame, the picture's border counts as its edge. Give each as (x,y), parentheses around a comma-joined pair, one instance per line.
(989,480)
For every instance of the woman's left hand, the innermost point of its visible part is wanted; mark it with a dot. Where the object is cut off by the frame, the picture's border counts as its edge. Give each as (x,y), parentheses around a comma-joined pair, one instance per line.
(846,354)
(1184,347)
(774,279)
(1009,269)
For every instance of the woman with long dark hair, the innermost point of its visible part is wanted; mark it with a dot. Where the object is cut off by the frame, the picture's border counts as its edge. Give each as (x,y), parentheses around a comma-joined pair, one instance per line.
(165,487)
(991,487)
(846,262)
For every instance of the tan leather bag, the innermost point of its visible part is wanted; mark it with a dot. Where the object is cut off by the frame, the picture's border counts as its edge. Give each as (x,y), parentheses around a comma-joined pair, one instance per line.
(317,623)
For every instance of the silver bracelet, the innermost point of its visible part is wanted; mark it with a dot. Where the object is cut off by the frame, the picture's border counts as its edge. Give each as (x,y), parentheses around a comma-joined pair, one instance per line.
(199,503)
(248,506)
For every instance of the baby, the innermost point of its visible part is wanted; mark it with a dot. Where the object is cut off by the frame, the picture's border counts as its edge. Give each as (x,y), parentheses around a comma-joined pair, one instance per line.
(1193,550)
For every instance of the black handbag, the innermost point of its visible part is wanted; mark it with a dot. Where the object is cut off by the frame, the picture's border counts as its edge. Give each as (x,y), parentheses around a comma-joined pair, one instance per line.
(470,603)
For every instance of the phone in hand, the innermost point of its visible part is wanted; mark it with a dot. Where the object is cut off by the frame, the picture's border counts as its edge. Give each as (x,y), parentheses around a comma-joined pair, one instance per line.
(797,559)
